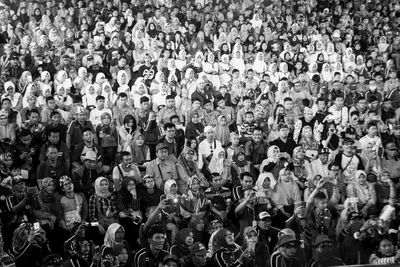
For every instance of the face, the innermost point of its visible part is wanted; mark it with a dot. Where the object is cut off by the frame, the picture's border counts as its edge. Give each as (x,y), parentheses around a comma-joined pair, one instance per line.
(386,248)
(229,237)
(162,154)
(88,136)
(52,154)
(157,241)
(123,256)
(257,136)
(189,240)
(247,182)
(210,134)
(104,186)
(290,249)
(284,132)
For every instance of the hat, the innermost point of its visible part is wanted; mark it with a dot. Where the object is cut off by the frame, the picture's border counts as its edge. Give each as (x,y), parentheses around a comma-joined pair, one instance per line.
(353,215)
(282,126)
(323,150)
(263,215)
(321,239)
(198,248)
(170,257)
(348,141)
(147,177)
(161,146)
(64,180)
(389,146)
(286,239)
(350,130)
(90,155)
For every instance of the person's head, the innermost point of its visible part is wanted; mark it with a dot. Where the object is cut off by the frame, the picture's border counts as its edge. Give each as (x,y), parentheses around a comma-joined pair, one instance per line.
(323,155)
(100,101)
(221,102)
(48,185)
(66,184)
(320,201)
(339,100)
(288,103)
(208,106)
(101,185)
(391,149)
(144,102)
(162,151)
(264,220)
(198,254)
(246,181)
(170,101)
(52,153)
(90,160)
(174,119)
(122,255)
(148,182)
(123,99)
(386,247)
(50,102)
(33,115)
(216,180)
(156,237)
(323,244)
(126,158)
(288,245)
(234,139)
(6,104)
(249,116)
(257,135)
(372,128)
(87,135)
(209,132)
(283,131)
(348,146)
(170,129)
(25,137)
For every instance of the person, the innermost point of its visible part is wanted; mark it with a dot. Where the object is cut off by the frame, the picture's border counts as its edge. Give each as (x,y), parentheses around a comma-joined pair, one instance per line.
(323,254)
(385,254)
(161,168)
(284,142)
(153,254)
(207,147)
(126,169)
(285,254)
(75,129)
(197,256)
(348,161)
(53,167)
(184,240)
(255,148)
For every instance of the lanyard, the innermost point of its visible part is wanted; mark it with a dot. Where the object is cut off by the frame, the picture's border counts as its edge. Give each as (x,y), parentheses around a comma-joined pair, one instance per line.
(159,169)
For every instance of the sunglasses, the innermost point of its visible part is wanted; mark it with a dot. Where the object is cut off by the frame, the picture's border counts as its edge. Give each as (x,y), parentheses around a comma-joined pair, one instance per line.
(291,246)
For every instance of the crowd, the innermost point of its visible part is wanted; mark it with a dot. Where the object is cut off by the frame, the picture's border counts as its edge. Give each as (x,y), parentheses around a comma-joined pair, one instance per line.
(260,133)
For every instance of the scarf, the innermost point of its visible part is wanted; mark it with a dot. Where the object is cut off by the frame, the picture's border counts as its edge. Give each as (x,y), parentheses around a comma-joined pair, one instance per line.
(97,188)
(188,165)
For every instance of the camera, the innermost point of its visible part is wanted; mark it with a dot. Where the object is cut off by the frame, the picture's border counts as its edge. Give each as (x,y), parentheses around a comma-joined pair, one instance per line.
(172,201)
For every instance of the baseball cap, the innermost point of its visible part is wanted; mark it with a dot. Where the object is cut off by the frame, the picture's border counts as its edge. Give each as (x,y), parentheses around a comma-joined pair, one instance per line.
(90,155)
(323,150)
(286,239)
(161,146)
(198,248)
(321,239)
(348,141)
(389,146)
(263,216)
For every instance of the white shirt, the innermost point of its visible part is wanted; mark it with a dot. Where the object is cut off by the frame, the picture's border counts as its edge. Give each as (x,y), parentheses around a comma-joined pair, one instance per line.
(376,142)
(317,168)
(205,149)
(95,115)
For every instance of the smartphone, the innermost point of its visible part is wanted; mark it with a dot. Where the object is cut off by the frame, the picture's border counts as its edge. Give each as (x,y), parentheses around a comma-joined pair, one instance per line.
(36,226)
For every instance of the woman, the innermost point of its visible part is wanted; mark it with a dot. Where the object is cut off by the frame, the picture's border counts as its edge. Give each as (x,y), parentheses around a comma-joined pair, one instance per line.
(210,68)
(309,143)
(225,252)
(24,81)
(109,95)
(363,191)
(264,188)
(390,160)
(7,129)
(127,131)
(194,201)
(259,251)
(107,137)
(187,168)
(371,160)
(241,165)
(222,132)
(89,99)
(221,165)
(102,206)
(286,194)
(129,210)
(15,97)
(385,254)
(139,150)
(25,250)
(170,214)
(301,166)
(198,226)
(275,161)
(181,249)
(113,239)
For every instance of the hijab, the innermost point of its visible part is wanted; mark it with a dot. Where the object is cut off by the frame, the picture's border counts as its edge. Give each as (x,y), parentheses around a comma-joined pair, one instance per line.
(222,133)
(167,189)
(362,191)
(326,73)
(109,238)
(261,178)
(219,241)
(139,153)
(45,196)
(216,163)
(188,165)
(285,193)
(180,240)
(97,188)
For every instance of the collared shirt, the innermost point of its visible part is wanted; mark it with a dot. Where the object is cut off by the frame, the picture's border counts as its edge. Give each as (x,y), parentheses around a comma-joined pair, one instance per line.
(162,171)
(107,205)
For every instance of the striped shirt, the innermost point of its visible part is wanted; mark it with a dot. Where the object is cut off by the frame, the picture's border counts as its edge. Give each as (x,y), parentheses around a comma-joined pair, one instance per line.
(278,260)
(144,258)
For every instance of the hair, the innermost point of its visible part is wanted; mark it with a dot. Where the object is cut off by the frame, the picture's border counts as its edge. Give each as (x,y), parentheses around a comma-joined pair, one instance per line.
(53,113)
(25,132)
(242,175)
(100,97)
(155,229)
(125,153)
(169,125)
(144,99)
(121,95)
(51,147)
(5,99)
(320,196)
(49,98)
(87,129)
(169,97)
(286,99)
(257,129)
(53,130)
(34,110)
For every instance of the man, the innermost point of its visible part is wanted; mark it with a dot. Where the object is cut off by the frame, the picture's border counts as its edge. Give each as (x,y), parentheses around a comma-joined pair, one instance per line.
(246,183)
(285,254)
(319,166)
(96,113)
(74,133)
(323,253)
(53,167)
(143,112)
(348,161)
(174,149)
(161,168)
(53,139)
(256,149)
(166,112)
(82,148)
(284,142)
(85,176)
(126,169)
(266,233)
(207,147)
(197,256)
(55,123)
(153,254)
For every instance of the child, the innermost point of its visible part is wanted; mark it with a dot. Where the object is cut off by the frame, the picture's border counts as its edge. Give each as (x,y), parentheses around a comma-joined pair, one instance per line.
(234,148)
(210,115)
(222,132)
(246,129)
